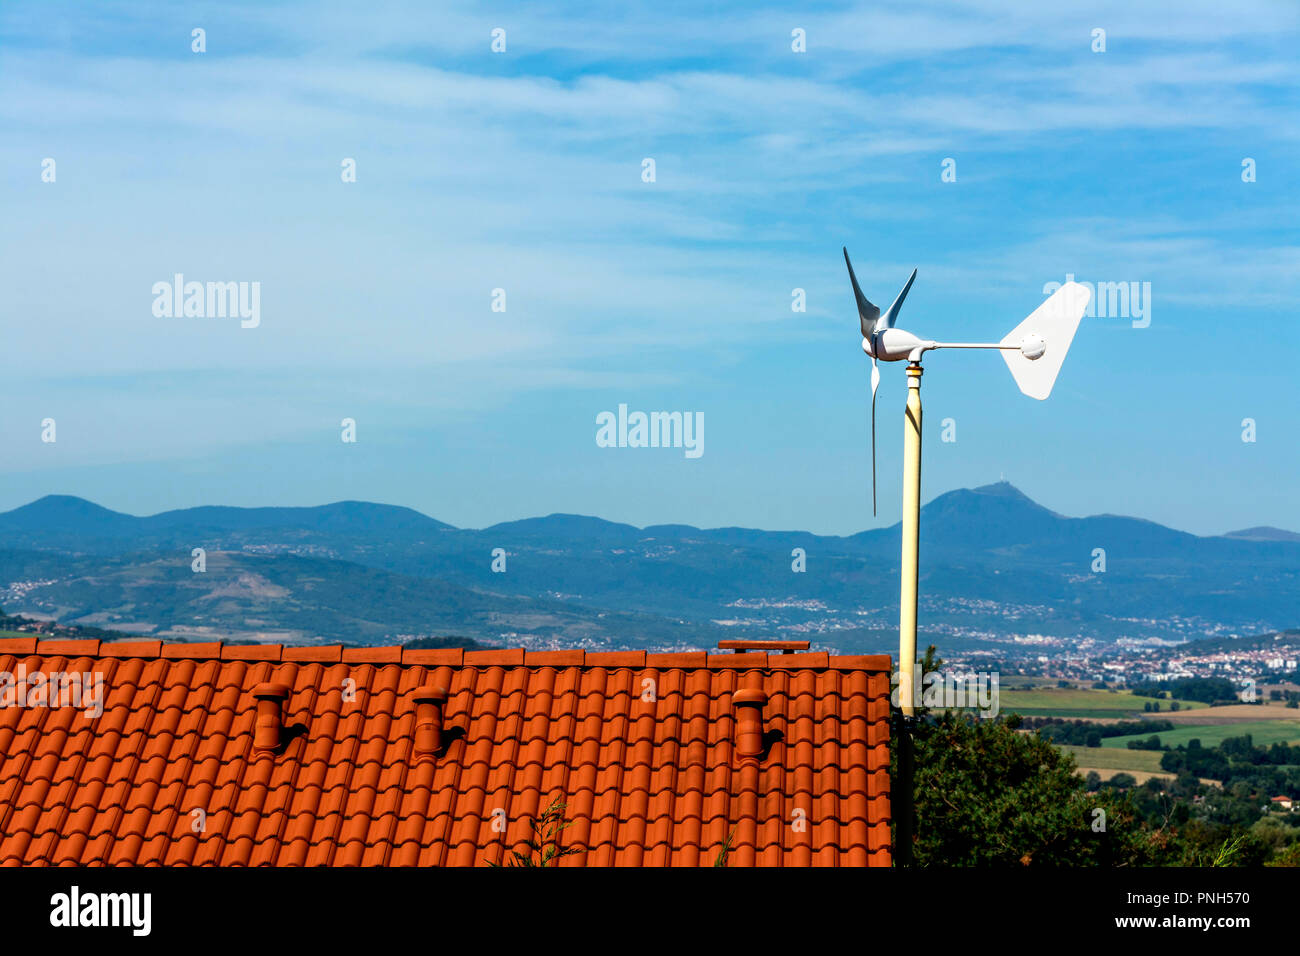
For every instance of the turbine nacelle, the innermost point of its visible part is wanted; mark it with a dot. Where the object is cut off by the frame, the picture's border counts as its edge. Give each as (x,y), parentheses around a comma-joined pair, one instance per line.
(893,345)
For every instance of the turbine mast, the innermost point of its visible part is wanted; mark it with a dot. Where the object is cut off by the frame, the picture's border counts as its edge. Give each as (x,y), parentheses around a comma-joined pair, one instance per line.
(908,683)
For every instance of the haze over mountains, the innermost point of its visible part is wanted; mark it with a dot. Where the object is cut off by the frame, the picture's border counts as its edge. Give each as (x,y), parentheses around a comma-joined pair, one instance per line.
(996,566)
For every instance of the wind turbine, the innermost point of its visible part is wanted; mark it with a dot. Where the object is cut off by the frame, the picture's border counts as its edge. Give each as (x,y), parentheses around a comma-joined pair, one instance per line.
(1034,351)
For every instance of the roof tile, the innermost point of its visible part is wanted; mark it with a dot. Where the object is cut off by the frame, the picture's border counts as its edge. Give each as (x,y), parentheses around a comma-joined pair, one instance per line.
(640,748)
(210,651)
(555,658)
(251,652)
(494,658)
(372,655)
(68,648)
(739,661)
(686,659)
(329,654)
(616,658)
(130,648)
(799,661)
(861,662)
(433,657)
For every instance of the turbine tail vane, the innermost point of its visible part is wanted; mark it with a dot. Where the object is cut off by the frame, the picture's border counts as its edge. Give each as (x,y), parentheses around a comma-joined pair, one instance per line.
(1035,349)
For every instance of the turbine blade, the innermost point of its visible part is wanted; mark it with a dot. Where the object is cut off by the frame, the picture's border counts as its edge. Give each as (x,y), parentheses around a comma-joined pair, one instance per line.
(875,381)
(891,314)
(867,313)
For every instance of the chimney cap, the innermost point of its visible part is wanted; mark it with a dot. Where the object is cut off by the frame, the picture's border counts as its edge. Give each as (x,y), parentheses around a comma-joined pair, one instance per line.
(432,693)
(429,701)
(750,696)
(785,647)
(271,690)
(270,698)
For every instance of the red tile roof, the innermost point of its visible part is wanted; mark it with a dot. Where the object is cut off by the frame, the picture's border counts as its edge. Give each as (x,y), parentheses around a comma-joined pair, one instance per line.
(659,757)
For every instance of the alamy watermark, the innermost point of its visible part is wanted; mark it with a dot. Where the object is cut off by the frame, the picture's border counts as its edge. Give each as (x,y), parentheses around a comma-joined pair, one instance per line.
(208,300)
(651,430)
(951,689)
(1115,300)
(133,911)
(83,690)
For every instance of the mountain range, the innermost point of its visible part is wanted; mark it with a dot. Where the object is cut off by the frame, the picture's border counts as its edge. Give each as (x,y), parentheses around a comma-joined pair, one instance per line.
(997,570)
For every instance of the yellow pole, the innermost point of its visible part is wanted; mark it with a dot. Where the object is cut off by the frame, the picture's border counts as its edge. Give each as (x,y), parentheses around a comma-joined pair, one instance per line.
(911,540)
(903,797)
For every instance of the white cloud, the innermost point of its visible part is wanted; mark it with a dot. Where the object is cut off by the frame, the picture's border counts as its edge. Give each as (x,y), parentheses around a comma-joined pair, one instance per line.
(474,173)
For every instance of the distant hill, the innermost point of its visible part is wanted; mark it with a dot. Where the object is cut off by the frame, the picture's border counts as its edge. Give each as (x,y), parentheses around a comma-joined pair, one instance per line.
(442,643)
(569,528)
(284,598)
(1284,642)
(55,516)
(66,521)
(995,564)
(1263,533)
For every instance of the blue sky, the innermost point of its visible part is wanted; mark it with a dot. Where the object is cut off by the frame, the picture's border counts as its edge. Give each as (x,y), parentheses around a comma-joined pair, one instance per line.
(523,171)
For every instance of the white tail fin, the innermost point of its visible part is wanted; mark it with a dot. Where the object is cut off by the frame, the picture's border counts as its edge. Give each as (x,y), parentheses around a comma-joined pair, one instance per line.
(1044,338)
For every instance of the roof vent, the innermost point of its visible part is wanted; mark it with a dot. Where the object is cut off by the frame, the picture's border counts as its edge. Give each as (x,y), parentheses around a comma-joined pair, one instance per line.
(785,647)
(749,722)
(270,702)
(429,703)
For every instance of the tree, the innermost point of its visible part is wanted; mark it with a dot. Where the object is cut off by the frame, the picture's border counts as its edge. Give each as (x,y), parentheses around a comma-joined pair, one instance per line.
(988,796)
(1288,857)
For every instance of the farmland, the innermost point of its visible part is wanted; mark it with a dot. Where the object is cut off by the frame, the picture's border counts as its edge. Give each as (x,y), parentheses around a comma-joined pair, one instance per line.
(1262,732)
(1081,702)
(1109,758)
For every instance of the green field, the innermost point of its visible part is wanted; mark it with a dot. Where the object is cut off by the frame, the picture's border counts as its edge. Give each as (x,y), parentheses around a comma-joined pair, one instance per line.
(1080,702)
(1018,682)
(1107,758)
(1262,732)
